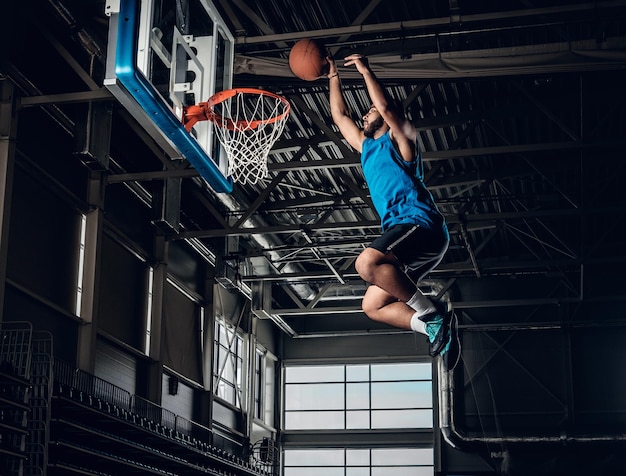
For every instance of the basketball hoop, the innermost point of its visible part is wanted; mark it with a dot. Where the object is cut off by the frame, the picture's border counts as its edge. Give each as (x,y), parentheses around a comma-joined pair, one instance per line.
(247,122)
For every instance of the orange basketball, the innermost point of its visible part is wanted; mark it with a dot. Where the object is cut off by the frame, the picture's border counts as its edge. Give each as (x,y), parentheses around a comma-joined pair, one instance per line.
(307,59)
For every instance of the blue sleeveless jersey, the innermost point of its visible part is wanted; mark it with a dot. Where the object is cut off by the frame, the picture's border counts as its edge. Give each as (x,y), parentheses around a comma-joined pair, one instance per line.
(396,187)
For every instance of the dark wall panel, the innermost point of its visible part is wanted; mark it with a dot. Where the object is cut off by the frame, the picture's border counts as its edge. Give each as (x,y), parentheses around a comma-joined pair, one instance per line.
(181,335)
(123,294)
(43,242)
(19,306)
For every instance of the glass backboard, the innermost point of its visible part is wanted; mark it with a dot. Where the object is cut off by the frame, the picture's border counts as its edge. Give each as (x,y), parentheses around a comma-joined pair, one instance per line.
(162,56)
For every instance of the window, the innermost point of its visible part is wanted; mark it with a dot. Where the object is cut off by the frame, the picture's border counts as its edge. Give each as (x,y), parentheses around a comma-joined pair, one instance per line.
(359,462)
(358,397)
(354,398)
(264,381)
(81,264)
(228,365)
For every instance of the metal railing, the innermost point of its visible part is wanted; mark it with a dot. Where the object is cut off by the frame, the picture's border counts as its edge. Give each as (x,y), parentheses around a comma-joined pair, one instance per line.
(15,347)
(90,386)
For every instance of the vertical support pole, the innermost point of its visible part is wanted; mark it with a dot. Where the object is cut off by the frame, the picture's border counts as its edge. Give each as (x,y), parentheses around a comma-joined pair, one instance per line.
(166,205)
(252,389)
(565,316)
(92,136)
(159,274)
(86,348)
(8,131)
(205,408)
(166,210)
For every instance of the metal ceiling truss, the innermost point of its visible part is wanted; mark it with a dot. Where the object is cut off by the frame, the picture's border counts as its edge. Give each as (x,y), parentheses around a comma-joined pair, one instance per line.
(314,208)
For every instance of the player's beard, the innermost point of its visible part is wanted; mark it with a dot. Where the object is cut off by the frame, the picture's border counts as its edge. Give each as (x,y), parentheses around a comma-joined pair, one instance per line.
(373,126)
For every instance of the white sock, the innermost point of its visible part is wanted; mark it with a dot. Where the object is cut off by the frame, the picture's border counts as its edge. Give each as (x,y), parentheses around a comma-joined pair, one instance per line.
(417,325)
(421,303)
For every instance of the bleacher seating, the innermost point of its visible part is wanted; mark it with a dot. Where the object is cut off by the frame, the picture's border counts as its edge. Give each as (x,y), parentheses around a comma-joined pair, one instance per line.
(98,428)
(15,388)
(59,420)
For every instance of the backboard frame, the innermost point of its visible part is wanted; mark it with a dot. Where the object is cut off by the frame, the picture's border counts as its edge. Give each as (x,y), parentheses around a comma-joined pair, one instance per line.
(131,36)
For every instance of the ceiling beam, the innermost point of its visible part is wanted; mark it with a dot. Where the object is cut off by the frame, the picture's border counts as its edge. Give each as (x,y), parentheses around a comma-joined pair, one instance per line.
(355,308)
(101,94)
(375,224)
(430,23)
(280,229)
(454,154)
(156,175)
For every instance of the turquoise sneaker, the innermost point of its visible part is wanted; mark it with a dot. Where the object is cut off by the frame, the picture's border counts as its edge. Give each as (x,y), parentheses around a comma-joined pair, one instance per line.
(433,329)
(437,326)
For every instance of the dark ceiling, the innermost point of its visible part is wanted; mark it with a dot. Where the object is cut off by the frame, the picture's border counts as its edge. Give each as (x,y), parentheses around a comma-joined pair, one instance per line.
(521,113)
(521,116)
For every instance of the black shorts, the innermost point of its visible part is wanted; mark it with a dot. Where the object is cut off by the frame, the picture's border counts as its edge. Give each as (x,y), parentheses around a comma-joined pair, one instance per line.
(417,249)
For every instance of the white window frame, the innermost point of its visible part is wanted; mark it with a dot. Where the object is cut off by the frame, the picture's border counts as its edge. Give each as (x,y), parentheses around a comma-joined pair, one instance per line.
(343,411)
(233,335)
(264,414)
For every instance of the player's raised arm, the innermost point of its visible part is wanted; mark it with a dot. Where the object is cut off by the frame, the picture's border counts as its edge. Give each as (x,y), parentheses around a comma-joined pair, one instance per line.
(340,112)
(402,131)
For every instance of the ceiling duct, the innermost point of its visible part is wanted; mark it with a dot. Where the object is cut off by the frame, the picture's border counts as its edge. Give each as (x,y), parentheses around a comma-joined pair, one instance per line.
(262,266)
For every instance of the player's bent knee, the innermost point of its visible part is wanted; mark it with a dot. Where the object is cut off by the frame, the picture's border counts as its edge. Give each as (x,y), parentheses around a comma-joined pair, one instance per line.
(371,314)
(366,263)
(360,265)
(371,310)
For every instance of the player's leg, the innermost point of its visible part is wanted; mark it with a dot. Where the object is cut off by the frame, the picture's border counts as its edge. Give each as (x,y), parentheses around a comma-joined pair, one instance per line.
(381,269)
(381,306)
(421,250)
(393,297)
(381,265)
(400,249)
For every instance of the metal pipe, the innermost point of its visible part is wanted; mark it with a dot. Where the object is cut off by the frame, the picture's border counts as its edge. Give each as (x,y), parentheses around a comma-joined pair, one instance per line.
(456,438)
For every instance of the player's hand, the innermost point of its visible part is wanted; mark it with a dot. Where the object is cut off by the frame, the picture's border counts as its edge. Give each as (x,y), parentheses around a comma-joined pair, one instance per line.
(360,61)
(332,67)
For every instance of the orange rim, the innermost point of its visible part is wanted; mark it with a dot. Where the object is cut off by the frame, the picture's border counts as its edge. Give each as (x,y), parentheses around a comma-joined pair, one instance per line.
(222,96)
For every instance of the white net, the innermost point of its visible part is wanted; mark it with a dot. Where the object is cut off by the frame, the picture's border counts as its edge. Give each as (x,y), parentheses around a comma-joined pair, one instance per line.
(247,125)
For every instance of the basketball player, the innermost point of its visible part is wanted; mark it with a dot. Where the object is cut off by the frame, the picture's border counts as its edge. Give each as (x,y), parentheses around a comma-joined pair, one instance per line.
(415,236)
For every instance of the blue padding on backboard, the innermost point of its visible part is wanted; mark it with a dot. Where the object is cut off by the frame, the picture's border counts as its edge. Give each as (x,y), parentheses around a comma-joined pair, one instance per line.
(149,99)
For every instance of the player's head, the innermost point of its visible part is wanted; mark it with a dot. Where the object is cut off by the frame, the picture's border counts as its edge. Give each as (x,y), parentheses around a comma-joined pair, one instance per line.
(372,122)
